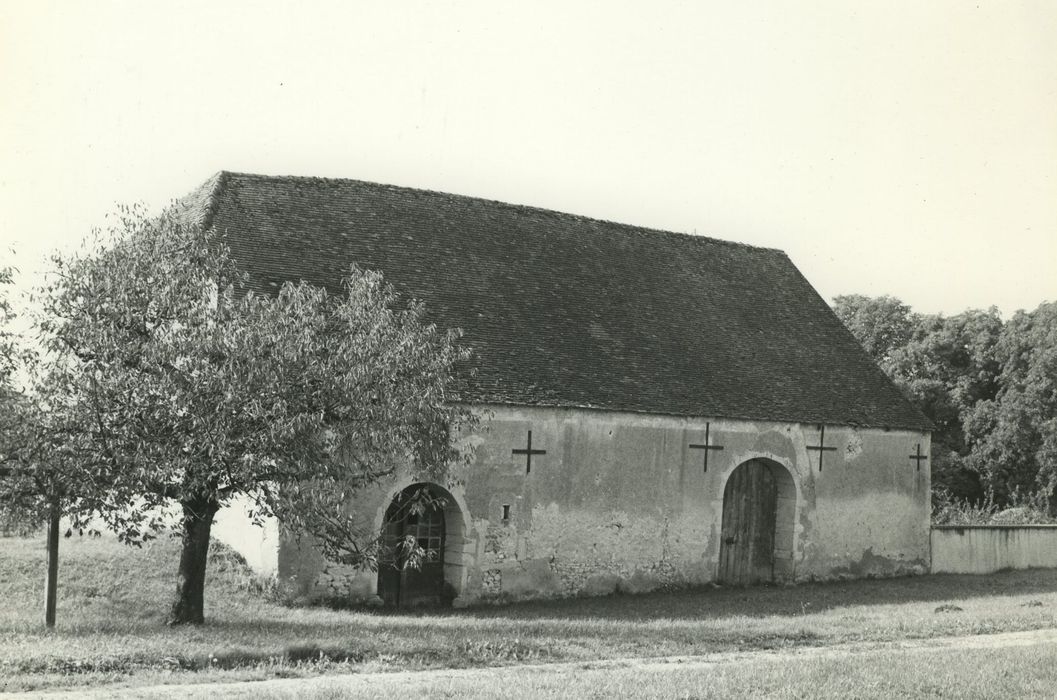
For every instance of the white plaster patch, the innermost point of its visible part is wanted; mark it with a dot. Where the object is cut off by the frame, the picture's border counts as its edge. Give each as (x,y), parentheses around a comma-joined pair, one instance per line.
(473,440)
(259,545)
(853,448)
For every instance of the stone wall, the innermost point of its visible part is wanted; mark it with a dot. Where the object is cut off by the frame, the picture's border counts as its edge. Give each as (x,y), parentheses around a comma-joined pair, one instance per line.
(619,501)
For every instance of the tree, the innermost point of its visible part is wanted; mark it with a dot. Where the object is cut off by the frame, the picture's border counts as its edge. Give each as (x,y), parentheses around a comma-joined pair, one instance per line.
(33,490)
(9,350)
(881,324)
(181,387)
(1014,432)
(20,491)
(9,404)
(990,389)
(36,487)
(945,365)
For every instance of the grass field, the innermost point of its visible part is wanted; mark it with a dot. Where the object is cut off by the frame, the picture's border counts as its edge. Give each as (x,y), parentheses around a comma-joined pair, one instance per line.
(1029,672)
(113,600)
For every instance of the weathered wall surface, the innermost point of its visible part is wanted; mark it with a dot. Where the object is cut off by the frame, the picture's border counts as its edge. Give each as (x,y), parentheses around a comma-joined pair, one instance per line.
(984,549)
(620,501)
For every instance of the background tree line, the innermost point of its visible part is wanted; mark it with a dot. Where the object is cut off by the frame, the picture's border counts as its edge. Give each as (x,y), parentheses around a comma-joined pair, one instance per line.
(988,385)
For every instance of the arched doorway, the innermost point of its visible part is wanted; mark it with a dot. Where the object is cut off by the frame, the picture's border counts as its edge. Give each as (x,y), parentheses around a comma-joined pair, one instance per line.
(756,539)
(428,517)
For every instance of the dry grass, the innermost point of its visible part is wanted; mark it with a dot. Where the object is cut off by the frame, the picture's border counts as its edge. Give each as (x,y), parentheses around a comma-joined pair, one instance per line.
(113,602)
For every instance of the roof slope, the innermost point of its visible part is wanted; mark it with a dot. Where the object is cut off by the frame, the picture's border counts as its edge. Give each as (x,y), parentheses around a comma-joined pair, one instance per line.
(563,310)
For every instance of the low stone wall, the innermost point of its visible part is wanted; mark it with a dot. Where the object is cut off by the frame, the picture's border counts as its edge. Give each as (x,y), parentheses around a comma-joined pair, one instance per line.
(983,549)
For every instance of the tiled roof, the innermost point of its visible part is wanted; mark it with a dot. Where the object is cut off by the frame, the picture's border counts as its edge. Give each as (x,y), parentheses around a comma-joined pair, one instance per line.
(564,310)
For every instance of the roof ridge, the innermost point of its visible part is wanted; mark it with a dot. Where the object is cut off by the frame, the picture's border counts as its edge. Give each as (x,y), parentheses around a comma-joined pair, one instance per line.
(224,175)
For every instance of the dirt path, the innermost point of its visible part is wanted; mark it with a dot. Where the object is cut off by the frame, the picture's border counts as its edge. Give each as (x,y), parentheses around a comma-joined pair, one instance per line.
(392,684)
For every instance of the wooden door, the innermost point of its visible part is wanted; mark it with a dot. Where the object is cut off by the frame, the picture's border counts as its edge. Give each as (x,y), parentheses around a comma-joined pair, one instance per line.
(401,584)
(424,584)
(750,503)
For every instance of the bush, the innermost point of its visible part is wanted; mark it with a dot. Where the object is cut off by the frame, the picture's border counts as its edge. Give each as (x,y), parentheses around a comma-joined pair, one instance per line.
(947,510)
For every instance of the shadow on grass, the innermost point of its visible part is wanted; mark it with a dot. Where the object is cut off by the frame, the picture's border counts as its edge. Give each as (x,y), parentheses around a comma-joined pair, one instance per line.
(708,603)
(766,601)
(595,615)
(714,603)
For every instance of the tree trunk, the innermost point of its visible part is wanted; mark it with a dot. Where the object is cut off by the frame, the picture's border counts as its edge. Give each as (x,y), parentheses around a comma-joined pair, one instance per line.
(52,582)
(189,607)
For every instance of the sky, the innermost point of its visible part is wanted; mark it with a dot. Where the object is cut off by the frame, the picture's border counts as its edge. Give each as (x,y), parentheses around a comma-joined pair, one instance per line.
(894,147)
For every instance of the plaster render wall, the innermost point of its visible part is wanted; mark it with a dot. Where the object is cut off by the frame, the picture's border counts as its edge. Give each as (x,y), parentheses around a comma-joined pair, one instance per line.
(984,549)
(620,502)
(258,544)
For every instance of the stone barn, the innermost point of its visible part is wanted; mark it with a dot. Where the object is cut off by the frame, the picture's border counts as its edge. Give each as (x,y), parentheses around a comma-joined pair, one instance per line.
(659,409)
